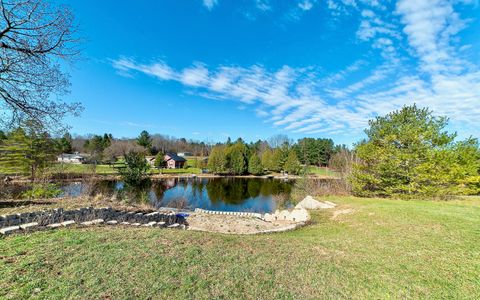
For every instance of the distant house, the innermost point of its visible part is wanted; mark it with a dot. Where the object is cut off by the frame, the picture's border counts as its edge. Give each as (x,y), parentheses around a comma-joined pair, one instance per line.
(174,161)
(183,154)
(71,158)
(150,160)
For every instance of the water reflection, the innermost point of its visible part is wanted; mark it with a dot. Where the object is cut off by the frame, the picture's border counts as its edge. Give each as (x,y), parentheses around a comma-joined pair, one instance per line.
(228,194)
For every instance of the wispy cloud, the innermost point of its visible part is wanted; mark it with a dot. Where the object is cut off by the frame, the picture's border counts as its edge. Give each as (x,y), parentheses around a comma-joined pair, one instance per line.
(300,100)
(209,4)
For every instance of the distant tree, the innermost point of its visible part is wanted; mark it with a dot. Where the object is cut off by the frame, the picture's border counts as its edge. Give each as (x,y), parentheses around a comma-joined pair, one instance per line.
(408,152)
(3,136)
(236,158)
(96,147)
(217,161)
(42,152)
(267,160)
(279,158)
(255,165)
(14,153)
(145,140)
(160,162)
(136,168)
(279,140)
(65,143)
(312,151)
(36,39)
(292,164)
(23,152)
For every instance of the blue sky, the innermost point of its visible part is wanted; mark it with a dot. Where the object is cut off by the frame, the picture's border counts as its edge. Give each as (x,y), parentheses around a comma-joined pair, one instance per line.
(208,69)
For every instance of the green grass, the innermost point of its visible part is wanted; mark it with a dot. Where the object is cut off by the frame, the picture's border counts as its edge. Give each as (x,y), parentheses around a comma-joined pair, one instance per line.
(385,249)
(190,170)
(321,171)
(82,169)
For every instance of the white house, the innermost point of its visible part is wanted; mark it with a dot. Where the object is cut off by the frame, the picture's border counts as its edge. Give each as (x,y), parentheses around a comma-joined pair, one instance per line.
(71,158)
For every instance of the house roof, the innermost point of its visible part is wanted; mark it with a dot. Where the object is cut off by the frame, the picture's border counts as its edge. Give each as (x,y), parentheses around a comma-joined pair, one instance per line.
(175,157)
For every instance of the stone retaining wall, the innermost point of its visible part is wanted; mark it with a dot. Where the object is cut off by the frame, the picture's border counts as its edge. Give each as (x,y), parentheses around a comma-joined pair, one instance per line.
(87,216)
(232,213)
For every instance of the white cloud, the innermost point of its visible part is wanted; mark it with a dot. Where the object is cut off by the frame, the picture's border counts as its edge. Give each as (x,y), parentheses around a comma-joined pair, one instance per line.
(263,5)
(209,4)
(298,100)
(306,5)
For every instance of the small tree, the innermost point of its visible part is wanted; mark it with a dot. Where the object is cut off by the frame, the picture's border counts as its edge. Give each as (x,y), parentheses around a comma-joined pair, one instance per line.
(292,164)
(136,168)
(255,165)
(14,153)
(145,140)
(160,162)
(65,143)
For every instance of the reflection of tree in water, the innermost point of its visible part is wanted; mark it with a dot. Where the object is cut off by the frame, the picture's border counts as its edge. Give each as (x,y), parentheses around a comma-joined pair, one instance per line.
(237,190)
(198,186)
(159,188)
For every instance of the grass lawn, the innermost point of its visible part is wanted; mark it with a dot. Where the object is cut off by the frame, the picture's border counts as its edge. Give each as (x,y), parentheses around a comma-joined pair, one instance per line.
(82,168)
(321,171)
(384,249)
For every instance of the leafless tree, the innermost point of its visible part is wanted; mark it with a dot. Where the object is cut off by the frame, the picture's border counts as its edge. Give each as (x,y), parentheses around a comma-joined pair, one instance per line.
(36,40)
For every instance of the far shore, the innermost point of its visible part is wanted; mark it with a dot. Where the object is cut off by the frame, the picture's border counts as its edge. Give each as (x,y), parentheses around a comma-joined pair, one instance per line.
(92,176)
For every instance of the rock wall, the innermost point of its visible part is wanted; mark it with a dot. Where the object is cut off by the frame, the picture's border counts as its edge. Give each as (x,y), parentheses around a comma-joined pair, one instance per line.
(87,216)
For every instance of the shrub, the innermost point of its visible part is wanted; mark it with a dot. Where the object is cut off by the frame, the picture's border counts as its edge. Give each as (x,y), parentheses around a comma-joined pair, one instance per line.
(136,168)
(42,191)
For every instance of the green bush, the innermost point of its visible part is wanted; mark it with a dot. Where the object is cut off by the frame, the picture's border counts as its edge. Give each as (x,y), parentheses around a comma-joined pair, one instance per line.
(136,168)
(42,191)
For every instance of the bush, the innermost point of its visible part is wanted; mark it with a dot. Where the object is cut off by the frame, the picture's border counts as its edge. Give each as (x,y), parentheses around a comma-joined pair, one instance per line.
(42,191)
(136,168)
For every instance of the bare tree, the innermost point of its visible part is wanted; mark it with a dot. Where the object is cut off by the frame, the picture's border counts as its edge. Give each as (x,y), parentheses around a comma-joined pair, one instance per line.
(36,38)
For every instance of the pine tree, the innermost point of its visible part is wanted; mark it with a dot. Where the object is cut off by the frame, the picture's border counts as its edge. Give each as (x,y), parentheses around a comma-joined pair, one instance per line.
(14,153)
(292,164)
(255,165)
(217,161)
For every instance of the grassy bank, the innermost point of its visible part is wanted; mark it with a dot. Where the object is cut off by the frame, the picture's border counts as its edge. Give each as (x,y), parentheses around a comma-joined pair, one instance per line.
(385,248)
(321,171)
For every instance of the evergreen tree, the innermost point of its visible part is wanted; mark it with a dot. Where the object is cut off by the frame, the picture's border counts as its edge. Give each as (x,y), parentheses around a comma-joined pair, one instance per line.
(14,153)
(255,165)
(65,143)
(292,164)
(217,161)
(236,158)
(136,168)
(160,162)
(408,152)
(267,160)
(145,140)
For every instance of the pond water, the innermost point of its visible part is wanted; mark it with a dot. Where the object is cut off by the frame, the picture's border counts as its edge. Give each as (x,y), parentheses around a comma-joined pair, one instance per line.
(225,194)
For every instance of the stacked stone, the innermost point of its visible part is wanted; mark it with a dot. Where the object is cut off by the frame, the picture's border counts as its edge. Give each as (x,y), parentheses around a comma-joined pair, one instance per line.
(87,216)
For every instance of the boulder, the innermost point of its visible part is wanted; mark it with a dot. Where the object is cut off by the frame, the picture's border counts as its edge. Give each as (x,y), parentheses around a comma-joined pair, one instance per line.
(299,215)
(310,203)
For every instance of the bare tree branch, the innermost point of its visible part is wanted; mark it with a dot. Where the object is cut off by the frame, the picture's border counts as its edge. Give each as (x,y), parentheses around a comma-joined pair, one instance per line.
(35,38)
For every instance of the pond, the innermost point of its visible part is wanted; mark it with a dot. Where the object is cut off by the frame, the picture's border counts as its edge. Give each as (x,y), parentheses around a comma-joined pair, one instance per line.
(221,194)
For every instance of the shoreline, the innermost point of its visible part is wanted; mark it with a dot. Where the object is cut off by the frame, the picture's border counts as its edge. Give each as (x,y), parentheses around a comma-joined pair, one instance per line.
(80,177)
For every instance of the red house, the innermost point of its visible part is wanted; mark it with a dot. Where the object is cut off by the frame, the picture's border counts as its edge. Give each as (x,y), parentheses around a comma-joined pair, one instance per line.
(174,161)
